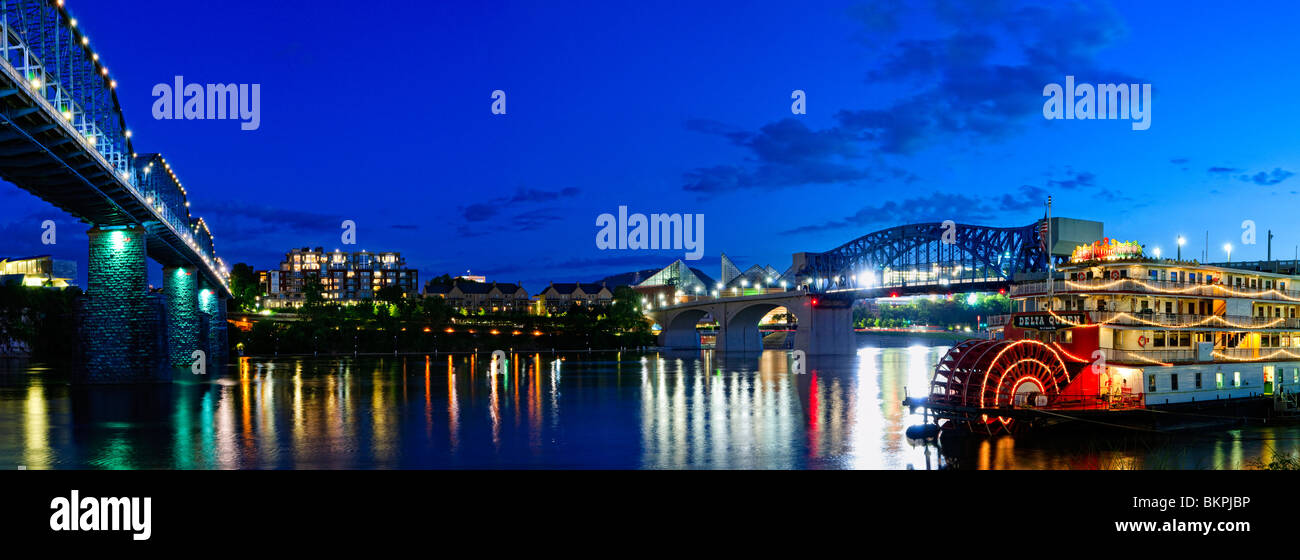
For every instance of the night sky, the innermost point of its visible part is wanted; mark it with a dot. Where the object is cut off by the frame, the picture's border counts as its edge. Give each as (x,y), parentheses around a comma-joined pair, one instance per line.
(379,112)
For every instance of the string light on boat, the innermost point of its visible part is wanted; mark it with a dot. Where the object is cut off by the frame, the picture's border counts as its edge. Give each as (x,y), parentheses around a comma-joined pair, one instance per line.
(1078,286)
(1124,315)
(1272,356)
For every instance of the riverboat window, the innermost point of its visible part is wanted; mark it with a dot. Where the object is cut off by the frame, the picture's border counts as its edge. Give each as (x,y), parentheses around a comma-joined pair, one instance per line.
(1158,339)
(1173,276)
(1151,383)
(1295,375)
(1218,380)
(1169,307)
(1198,380)
(1193,276)
(1236,379)
(1123,273)
(1173,382)
(1146,304)
(1155,276)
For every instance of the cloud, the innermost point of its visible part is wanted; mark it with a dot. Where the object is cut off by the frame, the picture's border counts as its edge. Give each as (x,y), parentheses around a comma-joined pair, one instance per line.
(1221,170)
(787,152)
(936,207)
(1179,161)
(1277,175)
(484,211)
(1075,180)
(250,219)
(977,76)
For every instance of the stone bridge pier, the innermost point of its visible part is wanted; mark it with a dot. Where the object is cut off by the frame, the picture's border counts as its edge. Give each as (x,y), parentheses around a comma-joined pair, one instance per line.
(133,337)
(825,325)
(212,306)
(119,326)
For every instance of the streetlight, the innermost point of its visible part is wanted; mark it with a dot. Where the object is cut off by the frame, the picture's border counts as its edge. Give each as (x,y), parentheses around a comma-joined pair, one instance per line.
(1228,247)
(1181,241)
(1157,252)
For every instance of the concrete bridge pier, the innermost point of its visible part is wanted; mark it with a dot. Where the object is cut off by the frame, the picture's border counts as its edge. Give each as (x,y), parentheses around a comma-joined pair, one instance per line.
(180,287)
(120,325)
(826,330)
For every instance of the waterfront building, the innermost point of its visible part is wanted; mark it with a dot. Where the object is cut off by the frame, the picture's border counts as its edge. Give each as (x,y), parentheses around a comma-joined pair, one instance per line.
(345,277)
(38,271)
(472,278)
(557,298)
(756,277)
(674,278)
(478,297)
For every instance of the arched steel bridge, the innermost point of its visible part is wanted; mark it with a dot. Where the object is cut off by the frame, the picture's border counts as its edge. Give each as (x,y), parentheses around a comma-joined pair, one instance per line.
(920,258)
(819,288)
(63,138)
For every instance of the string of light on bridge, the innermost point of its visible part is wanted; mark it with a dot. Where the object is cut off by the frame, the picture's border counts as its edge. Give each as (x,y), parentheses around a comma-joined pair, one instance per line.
(36,82)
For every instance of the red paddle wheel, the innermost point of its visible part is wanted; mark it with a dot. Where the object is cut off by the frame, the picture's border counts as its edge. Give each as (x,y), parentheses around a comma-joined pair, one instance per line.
(991,374)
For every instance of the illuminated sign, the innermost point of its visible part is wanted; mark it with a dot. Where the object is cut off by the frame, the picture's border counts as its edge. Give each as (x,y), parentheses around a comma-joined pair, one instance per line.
(1048,322)
(1107,250)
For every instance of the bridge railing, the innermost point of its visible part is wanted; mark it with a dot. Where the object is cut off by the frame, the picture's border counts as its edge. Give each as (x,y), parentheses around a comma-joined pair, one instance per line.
(30,68)
(99,131)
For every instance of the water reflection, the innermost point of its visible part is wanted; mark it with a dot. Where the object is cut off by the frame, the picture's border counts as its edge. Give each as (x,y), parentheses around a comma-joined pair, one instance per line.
(653,411)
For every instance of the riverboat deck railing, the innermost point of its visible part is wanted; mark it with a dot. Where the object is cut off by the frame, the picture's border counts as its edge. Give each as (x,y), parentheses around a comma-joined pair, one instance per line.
(1188,356)
(1175,321)
(1160,287)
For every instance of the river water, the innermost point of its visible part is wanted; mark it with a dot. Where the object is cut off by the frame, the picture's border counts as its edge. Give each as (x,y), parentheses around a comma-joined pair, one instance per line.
(603,410)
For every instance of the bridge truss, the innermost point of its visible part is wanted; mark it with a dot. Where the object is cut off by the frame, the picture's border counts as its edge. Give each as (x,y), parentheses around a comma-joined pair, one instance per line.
(64,139)
(927,256)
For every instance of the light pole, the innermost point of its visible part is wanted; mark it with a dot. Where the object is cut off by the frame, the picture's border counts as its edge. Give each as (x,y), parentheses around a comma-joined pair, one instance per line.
(1181,241)
(1228,247)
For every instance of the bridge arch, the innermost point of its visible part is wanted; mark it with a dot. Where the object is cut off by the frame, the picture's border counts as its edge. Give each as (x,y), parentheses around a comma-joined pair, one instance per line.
(929,253)
(679,330)
(741,333)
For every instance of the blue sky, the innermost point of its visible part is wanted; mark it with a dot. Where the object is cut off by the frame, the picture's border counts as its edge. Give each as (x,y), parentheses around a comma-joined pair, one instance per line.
(917,111)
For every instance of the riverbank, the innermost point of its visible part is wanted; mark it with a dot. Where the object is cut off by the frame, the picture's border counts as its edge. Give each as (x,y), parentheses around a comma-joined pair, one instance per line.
(897,339)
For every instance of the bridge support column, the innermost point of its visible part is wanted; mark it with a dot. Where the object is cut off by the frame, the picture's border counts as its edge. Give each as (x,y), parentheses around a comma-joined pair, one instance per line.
(739,336)
(213,307)
(825,330)
(119,324)
(180,286)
